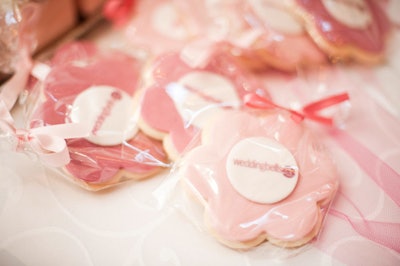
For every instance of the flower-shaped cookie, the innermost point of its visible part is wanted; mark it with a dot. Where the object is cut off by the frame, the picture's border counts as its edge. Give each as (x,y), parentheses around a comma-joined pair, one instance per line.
(260,178)
(162,26)
(183,98)
(97,89)
(356,29)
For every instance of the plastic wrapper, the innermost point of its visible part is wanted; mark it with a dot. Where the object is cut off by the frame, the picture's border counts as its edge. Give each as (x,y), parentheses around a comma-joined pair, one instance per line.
(9,37)
(90,98)
(257,176)
(222,184)
(16,44)
(350,30)
(163,26)
(265,34)
(179,99)
(297,90)
(367,132)
(288,35)
(17,19)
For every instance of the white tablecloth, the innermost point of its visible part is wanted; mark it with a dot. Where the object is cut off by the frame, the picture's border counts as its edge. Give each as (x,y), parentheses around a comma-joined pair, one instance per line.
(47,220)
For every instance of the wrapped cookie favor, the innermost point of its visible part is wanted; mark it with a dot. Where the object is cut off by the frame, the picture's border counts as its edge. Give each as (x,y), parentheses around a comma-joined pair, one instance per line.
(99,91)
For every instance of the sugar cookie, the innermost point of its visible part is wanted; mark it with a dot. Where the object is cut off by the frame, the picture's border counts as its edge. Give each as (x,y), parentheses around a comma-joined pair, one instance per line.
(351,29)
(82,88)
(265,33)
(284,43)
(260,178)
(161,26)
(182,99)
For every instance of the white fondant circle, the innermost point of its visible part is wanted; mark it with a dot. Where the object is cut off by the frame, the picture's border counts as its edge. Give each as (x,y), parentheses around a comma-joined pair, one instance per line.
(274,15)
(200,95)
(262,170)
(352,13)
(108,111)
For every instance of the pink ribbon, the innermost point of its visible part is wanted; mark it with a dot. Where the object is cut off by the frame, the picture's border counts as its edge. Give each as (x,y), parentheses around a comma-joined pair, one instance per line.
(384,233)
(387,178)
(310,111)
(48,142)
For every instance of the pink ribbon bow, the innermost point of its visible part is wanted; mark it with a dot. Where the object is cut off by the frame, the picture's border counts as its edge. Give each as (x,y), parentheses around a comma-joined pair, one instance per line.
(48,142)
(310,111)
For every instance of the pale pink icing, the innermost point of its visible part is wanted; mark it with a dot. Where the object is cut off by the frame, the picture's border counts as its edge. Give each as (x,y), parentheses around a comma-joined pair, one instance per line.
(159,111)
(76,67)
(97,165)
(173,31)
(237,219)
(372,39)
(290,50)
(293,49)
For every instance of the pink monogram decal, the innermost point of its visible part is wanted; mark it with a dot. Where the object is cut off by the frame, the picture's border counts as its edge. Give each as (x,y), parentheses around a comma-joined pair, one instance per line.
(287,171)
(115,96)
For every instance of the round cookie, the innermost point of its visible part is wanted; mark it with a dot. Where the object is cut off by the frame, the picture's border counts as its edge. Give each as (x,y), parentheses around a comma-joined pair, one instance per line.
(351,29)
(260,178)
(182,99)
(82,88)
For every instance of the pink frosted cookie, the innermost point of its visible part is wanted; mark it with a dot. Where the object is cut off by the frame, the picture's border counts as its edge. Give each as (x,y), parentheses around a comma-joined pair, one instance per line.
(86,86)
(162,26)
(182,99)
(346,29)
(260,178)
(267,33)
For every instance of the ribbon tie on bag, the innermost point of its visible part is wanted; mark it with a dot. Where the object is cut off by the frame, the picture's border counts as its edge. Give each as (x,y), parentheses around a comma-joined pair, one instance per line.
(310,111)
(48,142)
(118,11)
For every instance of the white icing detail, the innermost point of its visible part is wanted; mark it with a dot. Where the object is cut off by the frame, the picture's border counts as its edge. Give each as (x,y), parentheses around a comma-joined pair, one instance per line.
(262,170)
(108,111)
(166,21)
(274,15)
(200,95)
(352,13)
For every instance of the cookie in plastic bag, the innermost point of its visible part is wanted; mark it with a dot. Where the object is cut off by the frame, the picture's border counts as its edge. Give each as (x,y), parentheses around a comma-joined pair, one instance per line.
(260,177)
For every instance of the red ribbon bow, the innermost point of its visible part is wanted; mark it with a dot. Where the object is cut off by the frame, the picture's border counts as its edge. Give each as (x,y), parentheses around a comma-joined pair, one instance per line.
(310,111)
(118,11)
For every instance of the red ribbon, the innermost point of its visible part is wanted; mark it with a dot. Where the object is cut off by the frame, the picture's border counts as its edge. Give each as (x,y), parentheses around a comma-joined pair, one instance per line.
(118,11)
(310,111)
